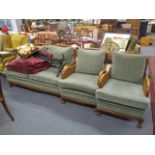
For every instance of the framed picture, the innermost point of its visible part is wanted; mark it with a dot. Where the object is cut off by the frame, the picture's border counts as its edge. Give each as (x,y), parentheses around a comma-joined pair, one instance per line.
(121,39)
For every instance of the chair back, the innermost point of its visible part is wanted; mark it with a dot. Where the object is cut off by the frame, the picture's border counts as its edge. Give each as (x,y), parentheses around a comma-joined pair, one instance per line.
(128,67)
(18,40)
(14,40)
(45,37)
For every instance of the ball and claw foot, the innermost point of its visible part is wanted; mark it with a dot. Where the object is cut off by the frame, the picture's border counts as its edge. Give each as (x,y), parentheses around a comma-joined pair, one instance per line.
(10,85)
(62,100)
(98,113)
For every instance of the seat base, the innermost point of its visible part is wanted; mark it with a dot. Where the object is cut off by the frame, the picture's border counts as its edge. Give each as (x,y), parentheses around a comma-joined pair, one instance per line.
(78,101)
(120,115)
(120,111)
(77,97)
(39,88)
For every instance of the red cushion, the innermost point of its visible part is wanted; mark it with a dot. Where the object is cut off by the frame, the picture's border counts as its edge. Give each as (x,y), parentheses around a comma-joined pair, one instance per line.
(28,65)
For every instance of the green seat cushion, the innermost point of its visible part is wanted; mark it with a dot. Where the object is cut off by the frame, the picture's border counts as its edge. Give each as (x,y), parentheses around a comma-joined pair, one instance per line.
(58,52)
(47,76)
(15,74)
(90,61)
(81,82)
(123,93)
(128,67)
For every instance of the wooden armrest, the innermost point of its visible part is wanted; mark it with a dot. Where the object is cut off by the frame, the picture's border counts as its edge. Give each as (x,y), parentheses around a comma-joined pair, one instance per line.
(100,74)
(68,70)
(103,78)
(146,86)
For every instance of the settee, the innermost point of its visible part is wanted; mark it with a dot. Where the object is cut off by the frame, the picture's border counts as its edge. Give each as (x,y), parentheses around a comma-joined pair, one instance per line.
(45,81)
(86,79)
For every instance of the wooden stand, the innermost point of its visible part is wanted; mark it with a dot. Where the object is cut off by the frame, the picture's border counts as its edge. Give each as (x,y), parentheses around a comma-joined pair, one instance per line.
(2,100)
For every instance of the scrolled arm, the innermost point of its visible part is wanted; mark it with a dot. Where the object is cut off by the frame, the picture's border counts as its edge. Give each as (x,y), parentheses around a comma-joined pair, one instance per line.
(104,76)
(100,74)
(68,70)
(146,86)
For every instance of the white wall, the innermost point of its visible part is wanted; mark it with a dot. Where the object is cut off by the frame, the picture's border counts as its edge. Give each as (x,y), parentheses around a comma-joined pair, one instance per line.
(16,25)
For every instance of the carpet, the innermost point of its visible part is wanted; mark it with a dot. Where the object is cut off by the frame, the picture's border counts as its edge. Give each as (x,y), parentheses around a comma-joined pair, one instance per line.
(43,114)
(151,70)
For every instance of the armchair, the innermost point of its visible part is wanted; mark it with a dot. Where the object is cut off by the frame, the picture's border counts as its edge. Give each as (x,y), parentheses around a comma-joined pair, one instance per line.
(124,88)
(111,47)
(12,41)
(79,79)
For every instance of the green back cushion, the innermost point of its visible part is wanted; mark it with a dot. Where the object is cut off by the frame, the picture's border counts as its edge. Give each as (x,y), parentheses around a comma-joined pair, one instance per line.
(90,61)
(128,67)
(58,52)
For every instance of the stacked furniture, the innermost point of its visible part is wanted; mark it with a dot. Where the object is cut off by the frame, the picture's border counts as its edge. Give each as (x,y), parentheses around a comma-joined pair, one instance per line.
(120,90)
(7,44)
(45,37)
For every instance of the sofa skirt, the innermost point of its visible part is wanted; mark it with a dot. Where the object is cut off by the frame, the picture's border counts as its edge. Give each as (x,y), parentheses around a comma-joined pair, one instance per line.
(32,84)
(120,109)
(82,97)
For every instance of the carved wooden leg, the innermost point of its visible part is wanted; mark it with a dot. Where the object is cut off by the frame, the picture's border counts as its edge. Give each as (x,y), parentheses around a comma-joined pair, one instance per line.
(7,110)
(95,110)
(98,113)
(140,124)
(62,100)
(10,84)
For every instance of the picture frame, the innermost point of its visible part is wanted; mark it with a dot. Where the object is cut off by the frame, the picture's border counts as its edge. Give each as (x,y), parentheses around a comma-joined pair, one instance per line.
(121,39)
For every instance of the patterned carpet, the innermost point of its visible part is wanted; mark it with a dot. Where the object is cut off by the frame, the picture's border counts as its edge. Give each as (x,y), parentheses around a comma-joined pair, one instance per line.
(151,69)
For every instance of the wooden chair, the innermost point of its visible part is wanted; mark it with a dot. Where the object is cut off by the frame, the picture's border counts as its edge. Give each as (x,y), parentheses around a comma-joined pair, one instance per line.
(2,100)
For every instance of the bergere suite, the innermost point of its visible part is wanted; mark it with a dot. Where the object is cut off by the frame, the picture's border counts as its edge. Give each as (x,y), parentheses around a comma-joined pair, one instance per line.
(124,88)
(121,89)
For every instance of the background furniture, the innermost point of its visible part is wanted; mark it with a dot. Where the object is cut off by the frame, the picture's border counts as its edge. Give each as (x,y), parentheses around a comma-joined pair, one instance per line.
(2,101)
(8,44)
(109,48)
(12,41)
(45,37)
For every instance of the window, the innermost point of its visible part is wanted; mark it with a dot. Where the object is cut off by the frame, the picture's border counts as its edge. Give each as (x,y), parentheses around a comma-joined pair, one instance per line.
(6,22)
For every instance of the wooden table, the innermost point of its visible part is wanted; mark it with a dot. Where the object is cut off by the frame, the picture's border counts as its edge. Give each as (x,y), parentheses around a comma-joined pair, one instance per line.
(2,100)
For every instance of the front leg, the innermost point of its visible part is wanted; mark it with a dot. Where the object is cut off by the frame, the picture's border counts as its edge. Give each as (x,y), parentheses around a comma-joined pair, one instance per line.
(140,124)
(10,84)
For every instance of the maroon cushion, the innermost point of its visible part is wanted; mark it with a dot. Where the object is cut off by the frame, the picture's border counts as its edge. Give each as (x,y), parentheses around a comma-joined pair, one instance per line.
(28,65)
